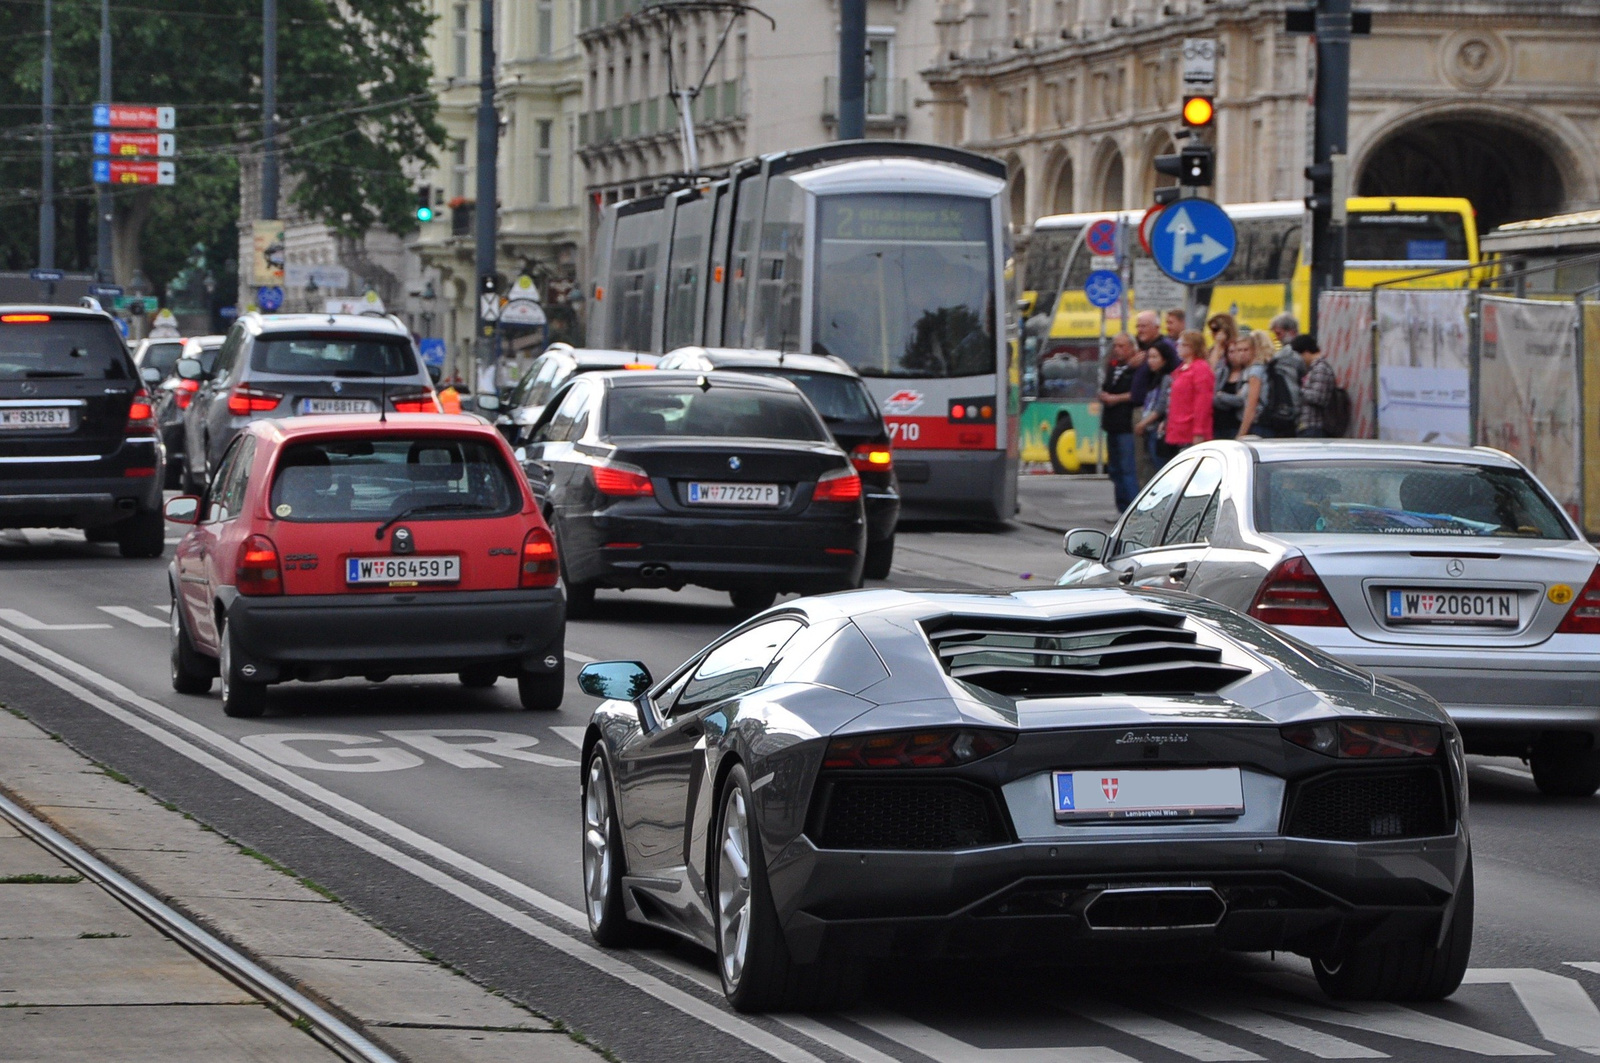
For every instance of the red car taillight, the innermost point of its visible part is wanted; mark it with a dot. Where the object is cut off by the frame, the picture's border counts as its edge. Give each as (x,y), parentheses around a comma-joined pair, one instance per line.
(840,485)
(539,565)
(872,457)
(415,402)
(623,481)
(243,400)
(1293,595)
(258,571)
(183,394)
(141,418)
(1584,616)
(1365,738)
(913,749)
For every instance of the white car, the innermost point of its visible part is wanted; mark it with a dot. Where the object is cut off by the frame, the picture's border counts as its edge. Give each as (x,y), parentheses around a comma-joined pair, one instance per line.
(1451,568)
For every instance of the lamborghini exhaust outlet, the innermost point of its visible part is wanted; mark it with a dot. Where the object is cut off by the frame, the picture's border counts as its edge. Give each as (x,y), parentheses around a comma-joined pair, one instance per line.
(1155,908)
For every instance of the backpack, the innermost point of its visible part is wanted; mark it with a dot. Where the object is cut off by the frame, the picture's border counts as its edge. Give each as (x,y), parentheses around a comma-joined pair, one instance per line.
(1336,418)
(1279,412)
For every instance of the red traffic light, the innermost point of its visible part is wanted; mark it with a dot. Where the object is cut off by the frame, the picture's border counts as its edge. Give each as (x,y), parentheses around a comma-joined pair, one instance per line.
(1198,111)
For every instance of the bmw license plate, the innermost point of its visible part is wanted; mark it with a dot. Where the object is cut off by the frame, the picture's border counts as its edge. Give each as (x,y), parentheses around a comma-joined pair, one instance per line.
(1453,607)
(338,406)
(445,569)
(1167,793)
(29,417)
(722,494)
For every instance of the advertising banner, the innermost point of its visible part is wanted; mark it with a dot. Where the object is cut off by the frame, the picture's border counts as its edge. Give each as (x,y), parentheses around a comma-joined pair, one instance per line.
(1424,360)
(1344,328)
(1527,399)
(267,254)
(1591,417)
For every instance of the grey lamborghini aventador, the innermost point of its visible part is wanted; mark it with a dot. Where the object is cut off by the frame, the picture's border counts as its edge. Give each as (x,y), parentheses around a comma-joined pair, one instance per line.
(881,774)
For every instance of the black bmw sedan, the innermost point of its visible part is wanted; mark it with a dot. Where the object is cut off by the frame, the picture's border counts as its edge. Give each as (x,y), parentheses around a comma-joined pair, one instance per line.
(721,480)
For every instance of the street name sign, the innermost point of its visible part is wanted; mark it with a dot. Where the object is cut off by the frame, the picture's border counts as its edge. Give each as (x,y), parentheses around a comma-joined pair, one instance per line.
(49,276)
(131,144)
(1193,241)
(133,116)
(121,172)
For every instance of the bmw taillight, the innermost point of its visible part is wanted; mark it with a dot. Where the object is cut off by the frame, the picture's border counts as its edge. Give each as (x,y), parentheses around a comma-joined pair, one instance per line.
(258,571)
(539,565)
(183,394)
(1366,738)
(141,418)
(243,400)
(872,457)
(840,485)
(1293,595)
(1583,618)
(622,481)
(415,402)
(913,749)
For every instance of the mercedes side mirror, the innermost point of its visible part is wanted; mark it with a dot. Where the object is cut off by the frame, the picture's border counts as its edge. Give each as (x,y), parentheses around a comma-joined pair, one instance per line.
(434,373)
(1085,543)
(488,403)
(618,680)
(150,374)
(190,368)
(185,509)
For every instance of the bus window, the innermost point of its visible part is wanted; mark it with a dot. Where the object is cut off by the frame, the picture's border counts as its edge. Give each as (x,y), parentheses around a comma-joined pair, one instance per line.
(633,279)
(686,270)
(779,269)
(1047,253)
(905,284)
(1405,236)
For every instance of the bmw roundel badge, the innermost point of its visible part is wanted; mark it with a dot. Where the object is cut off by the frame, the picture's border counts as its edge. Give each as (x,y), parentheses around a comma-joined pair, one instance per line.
(734,462)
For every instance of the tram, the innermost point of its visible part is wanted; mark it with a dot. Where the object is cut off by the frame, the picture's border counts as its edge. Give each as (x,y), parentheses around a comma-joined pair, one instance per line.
(892,256)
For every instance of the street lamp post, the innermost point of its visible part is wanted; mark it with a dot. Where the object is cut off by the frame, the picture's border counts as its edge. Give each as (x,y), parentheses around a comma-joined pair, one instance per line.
(488,163)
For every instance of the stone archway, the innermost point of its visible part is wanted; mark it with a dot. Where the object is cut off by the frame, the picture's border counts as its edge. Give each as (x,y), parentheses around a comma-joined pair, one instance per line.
(1108,185)
(1018,177)
(1061,191)
(1160,144)
(1509,172)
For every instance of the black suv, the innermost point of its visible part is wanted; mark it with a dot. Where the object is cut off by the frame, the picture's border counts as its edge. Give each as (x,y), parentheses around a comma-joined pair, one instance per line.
(78,442)
(846,406)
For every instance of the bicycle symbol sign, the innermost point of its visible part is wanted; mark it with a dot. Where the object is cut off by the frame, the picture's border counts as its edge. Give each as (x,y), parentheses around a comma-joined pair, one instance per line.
(1102,288)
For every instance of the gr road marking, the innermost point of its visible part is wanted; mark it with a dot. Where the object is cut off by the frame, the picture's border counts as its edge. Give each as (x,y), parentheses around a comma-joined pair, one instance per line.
(460,747)
(1172,1037)
(132,616)
(465,754)
(280,749)
(1302,1038)
(1558,1005)
(732,1025)
(1584,965)
(1392,1020)
(571,734)
(18,619)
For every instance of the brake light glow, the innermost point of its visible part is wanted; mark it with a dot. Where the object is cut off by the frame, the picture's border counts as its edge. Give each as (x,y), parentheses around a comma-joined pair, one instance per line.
(1583,618)
(1293,595)
(638,365)
(258,571)
(840,485)
(415,402)
(913,749)
(539,565)
(183,394)
(622,481)
(141,418)
(243,400)
(24,319)
(1366,738)
(872,457)
(139,471)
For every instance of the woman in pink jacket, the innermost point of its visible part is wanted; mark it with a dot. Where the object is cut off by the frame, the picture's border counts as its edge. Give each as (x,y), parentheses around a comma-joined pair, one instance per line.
(1189,408)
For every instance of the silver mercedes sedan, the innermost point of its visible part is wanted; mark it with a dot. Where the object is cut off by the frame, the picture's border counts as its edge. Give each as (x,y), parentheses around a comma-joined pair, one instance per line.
(1451,568)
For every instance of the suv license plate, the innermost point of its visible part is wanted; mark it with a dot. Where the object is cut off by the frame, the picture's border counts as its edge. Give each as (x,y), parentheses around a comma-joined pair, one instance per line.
(30,418)
(719,494)
(1165,793)
(445,569)
(1453,607)
(338,406)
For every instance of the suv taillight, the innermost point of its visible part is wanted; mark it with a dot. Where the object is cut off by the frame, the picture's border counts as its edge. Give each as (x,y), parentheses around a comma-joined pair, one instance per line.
(415,402)
(1293,595)
(258,571)
(243,400)
(539,565)
(183,393)
(623,481)
(872,457)
(1584,616)
(840,485)
(141,418)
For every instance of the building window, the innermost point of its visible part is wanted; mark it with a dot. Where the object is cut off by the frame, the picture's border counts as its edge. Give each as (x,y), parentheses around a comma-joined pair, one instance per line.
(546,27)
(541,163)
(460,41)
(880,69)
(460,172)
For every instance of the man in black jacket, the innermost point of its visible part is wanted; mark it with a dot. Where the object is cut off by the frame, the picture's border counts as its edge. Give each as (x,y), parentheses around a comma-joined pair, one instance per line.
(1117,411)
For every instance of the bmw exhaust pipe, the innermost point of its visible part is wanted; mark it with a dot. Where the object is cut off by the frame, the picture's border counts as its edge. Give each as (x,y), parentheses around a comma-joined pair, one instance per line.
(655,573)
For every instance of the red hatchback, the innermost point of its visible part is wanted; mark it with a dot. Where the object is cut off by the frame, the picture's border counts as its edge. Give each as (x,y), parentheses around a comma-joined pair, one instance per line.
(349,546)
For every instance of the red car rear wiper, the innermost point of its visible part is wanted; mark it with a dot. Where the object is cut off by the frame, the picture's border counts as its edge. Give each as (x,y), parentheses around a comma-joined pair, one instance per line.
(436,507)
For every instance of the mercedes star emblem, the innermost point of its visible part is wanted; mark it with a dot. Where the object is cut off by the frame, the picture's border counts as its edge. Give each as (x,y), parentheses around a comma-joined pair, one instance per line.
(734,462)
(1455,566)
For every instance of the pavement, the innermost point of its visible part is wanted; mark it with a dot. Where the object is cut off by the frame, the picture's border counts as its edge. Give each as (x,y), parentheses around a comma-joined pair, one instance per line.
(1060,503)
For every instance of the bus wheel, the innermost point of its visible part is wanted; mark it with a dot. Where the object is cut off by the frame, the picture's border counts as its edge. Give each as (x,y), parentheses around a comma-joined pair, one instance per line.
(1063,448)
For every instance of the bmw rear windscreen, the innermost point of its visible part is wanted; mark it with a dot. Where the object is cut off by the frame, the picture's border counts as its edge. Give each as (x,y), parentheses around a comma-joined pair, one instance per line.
(377,479)
(331,354)
(689,411)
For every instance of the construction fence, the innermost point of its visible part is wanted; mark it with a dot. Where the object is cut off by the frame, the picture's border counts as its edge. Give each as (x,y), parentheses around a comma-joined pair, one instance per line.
(1466,367)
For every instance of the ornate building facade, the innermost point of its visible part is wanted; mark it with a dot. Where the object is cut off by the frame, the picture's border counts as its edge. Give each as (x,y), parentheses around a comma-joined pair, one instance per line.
(1495,100)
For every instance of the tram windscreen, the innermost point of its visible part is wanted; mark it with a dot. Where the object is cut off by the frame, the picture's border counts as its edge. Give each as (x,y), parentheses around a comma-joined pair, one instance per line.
(905,284)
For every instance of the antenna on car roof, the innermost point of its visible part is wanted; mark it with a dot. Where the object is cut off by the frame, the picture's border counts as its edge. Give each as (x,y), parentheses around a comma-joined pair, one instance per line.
(383,396)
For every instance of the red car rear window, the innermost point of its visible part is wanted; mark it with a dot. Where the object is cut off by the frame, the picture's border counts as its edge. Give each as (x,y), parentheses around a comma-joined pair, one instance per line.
(331,480)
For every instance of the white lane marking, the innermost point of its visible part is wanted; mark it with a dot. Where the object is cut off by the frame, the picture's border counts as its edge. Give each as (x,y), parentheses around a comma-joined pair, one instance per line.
(277,746)
(581,658)
(1584,965)
(571,734)
(1391,1020)
(17,618)
(1172,1037)
(461,754)
(942,1048)
(690,1005)
(1557,1004)
(131,615)
(1302,1038)
(1503,770)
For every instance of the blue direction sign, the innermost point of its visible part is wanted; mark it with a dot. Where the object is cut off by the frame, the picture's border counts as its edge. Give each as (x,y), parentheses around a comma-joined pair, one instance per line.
(269,298)
(47,275)
(1193,241)
(1102,288)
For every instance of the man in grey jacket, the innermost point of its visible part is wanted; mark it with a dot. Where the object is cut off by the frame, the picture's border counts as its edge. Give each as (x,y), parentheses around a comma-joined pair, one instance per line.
(1280,398)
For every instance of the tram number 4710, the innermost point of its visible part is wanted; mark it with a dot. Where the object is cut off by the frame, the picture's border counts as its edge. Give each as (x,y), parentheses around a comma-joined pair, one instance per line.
(905,431)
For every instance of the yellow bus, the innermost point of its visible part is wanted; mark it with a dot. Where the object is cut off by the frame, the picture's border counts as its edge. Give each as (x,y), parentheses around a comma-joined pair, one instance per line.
(1388,238)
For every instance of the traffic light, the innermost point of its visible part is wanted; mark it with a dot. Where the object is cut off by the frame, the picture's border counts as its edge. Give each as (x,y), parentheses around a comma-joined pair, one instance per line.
(425,203)
(1198,112)
(1194,167)
(1328,187)
(489,283)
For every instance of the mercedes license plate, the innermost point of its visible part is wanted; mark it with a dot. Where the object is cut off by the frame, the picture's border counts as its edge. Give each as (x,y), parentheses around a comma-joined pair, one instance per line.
(714,494)
(445,569)
(338,406)
(29,417)
(1453,607)
(1166,793)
